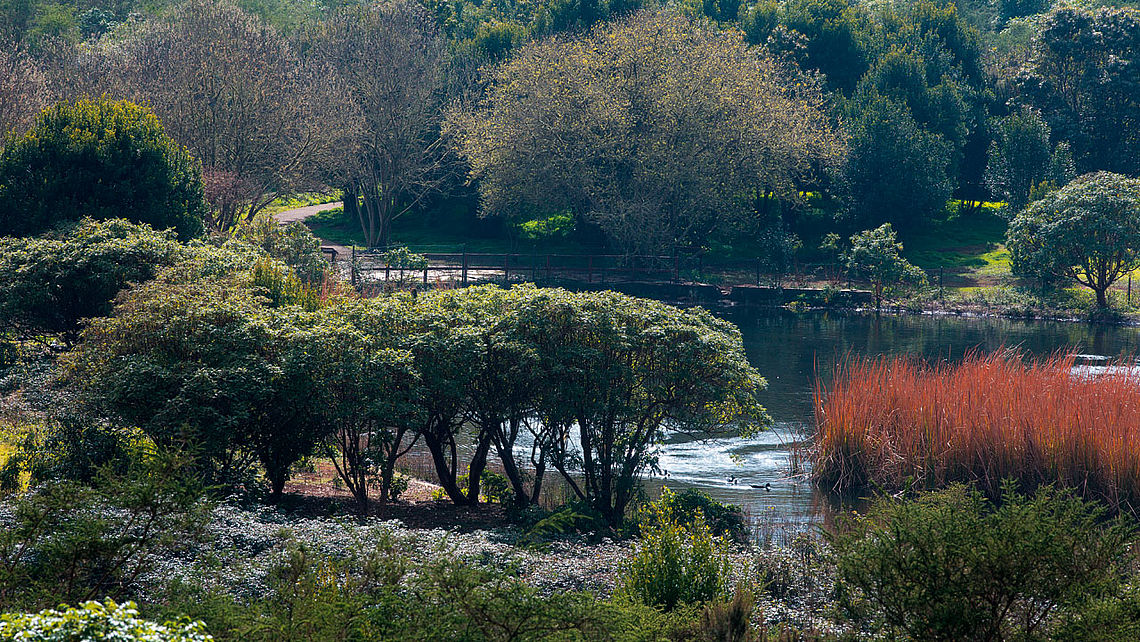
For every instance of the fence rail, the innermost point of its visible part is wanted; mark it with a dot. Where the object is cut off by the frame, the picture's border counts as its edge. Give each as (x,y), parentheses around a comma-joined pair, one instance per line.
(464,268)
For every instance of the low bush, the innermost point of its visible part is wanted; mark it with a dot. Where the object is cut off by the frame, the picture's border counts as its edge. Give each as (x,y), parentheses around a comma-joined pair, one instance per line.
(96,622)
(952,565)
(70,542)
(724,520)
(676,562)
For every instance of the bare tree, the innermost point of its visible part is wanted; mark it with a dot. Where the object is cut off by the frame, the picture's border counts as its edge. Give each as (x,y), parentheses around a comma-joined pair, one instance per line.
(23,89)
(394,66)
(236,94)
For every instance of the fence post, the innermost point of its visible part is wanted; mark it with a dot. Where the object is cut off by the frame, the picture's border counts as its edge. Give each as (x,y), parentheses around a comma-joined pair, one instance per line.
(464,266)
(676,267)
(1129,288)
(757,272)
(506,269)
(940,294)
(425,275)
(533,267)
(352,266)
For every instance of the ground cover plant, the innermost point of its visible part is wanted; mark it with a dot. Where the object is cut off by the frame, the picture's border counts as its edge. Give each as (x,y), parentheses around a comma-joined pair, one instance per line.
(891,422)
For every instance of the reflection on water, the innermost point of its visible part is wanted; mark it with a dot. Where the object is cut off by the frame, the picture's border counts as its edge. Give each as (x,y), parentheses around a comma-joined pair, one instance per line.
(789,349)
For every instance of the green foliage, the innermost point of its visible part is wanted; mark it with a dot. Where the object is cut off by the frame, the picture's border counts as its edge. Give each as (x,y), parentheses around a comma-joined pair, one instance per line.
(54,282)
(1088,231)
(204,364)
(283,287)
(69,446)
(1074,77)
(724,520)
(96,622)
(404,259)
(292,243)
(874,255)
(364,386)
(554,225)
(676,562)
(950,565)
(896,171)
(1022,157)
(100,159)
(70,542)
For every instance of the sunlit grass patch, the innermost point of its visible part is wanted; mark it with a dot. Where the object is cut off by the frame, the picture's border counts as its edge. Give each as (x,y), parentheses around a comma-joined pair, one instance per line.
(304,199)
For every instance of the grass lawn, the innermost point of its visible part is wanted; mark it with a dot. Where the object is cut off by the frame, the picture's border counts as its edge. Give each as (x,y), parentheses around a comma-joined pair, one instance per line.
(305,199)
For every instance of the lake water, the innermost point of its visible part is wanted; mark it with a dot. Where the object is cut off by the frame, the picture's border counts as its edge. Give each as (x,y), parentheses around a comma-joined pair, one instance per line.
(789,349)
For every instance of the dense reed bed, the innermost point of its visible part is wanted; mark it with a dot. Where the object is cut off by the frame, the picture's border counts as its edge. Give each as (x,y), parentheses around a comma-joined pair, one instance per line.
(984,419)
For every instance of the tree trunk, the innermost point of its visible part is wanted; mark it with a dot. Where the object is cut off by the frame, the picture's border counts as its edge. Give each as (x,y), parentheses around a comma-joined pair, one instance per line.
(1102,297)
(277,488)
(443,470)
(475,470)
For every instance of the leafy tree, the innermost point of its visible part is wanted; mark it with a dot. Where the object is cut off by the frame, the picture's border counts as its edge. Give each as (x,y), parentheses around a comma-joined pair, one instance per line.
(365,389)
(1088,232)
(101,159)
(490,29)
(446,349)
(950,565)
(619,373)
(1082,79)
(201,364)
(650,127)
(502,392)
(874,255)
(896,171)
(837,38)
(393,67)
(1022,157)
(54,282)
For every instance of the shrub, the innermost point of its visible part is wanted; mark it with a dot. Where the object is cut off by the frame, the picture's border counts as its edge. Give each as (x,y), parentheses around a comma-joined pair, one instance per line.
(951,565)
(724,520)
(52,283)
(1088,232)
(292,244)
(96,622)
(674,562)
(70,542)
(103,159)
(982,420)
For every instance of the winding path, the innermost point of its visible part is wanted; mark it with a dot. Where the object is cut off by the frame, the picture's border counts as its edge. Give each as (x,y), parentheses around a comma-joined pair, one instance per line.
(301,213)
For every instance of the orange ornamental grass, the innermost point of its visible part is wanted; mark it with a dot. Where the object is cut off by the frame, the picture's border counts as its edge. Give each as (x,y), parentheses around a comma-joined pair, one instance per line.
(984,419)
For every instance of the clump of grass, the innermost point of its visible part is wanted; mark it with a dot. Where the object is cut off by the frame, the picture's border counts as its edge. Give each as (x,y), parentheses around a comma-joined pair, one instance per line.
(897,422)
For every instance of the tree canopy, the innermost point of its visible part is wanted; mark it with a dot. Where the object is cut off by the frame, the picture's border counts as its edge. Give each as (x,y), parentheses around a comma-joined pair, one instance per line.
(654,127)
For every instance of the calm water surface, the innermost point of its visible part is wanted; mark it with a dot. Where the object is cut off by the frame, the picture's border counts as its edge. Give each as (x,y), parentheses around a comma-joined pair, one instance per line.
(789,349)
